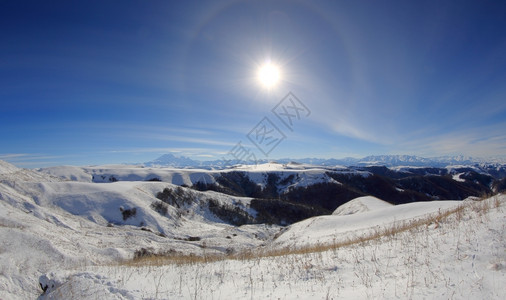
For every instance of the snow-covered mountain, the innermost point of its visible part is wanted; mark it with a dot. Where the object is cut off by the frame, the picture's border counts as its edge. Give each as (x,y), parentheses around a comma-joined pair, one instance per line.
(294,174)
(298,185)
(395,160)
(170,160)
(411,160)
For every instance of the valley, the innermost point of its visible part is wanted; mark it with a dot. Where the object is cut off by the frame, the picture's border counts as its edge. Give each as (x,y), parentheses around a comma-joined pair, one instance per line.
(132,232)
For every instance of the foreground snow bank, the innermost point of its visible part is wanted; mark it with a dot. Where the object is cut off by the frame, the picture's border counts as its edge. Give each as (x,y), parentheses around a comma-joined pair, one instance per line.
(462,257)
(82,286)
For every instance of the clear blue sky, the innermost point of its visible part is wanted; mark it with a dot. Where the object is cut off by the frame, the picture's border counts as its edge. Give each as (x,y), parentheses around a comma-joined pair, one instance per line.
(95,82)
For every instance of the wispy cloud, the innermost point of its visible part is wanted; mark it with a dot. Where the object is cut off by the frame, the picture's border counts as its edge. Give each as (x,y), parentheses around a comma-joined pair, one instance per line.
(479,142)
(192,140)
(185,151)
(12,156)
(32,160)
(19,157)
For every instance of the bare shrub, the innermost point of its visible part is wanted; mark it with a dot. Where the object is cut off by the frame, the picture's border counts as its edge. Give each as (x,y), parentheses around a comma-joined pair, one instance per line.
(229,213)
(128,213)
(160,207)
(177,197)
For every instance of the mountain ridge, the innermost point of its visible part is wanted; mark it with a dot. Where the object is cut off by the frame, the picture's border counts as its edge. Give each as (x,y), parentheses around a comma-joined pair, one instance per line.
(171,160)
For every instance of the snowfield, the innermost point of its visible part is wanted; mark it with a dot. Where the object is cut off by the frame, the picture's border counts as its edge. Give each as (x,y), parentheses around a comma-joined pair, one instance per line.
(327,229)
(307,174)
(65,236)
(49,224)
(461,260)
(359,205)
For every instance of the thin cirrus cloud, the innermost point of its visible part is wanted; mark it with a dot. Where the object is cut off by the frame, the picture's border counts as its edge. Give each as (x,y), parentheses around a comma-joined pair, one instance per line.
(200,152)
(489,141)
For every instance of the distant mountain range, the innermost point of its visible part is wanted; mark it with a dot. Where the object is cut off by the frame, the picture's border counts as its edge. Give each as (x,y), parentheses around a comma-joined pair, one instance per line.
(170,160)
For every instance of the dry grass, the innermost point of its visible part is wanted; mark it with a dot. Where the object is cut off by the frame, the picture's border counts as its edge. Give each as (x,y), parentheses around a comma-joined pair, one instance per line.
(11,224)
(177,259)
(480,207)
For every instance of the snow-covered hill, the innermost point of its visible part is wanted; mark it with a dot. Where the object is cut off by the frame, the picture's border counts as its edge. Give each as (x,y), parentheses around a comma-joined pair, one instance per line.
(302,174)
(459,256)
(48,224)
(327,229)
(360,205)
(70,231)
(7,168)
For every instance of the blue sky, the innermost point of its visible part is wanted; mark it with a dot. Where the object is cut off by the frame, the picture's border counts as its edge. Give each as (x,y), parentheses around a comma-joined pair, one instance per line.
(96,82)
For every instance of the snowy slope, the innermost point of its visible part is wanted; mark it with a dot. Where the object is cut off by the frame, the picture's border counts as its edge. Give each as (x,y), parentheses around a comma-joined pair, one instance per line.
(71,235)
(6,168)
(462,258)
(47,224)
(359,205)
(302,174)
(112,173)
(10,173)
(328,229)
(68,173)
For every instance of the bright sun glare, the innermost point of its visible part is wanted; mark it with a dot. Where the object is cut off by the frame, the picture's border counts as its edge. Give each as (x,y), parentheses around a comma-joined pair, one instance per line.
(269,75)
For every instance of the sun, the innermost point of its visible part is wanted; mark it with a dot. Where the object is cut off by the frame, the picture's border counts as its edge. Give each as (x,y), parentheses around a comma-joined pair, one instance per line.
(269,75)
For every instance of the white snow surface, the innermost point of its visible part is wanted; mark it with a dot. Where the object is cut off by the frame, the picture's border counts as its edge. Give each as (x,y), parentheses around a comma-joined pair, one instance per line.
(456,177)
(359,205)
(69,173)
(328,229)
(48,224)
(296,175)
(461,258)
(6,168)
(70,236)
